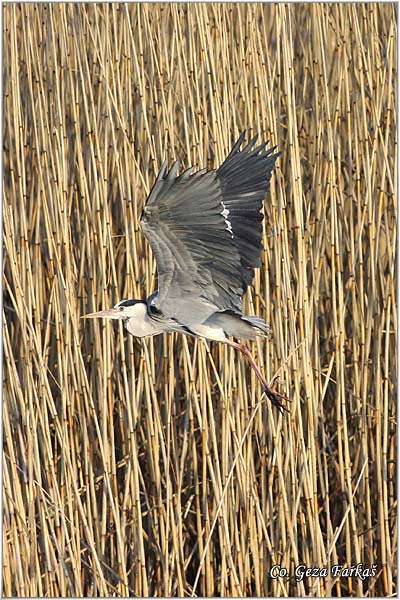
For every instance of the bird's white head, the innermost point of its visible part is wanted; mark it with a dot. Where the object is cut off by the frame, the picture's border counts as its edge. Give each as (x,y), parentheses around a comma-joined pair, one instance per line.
(126,309)
(134,314)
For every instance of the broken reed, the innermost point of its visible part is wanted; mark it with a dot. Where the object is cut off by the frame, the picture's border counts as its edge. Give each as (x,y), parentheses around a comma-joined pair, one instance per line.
(159,469)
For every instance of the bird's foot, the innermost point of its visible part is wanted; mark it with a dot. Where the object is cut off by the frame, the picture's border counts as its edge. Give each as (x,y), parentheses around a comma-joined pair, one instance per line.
(276,398)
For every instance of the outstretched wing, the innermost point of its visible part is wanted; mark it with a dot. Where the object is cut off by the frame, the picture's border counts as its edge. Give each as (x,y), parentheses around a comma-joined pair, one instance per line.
(244,180)
(205,231)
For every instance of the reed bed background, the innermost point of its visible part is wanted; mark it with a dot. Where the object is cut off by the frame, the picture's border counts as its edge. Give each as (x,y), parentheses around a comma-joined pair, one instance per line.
(159,469)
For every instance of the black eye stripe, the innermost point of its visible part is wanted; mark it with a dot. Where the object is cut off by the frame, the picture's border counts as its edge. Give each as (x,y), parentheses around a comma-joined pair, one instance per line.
(127,303)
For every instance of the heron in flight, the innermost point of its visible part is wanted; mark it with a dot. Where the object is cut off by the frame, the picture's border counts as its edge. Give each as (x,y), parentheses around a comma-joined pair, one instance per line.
(205,231)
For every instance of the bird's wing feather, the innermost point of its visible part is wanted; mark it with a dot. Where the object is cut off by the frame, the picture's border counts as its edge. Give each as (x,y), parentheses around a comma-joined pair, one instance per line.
(197,261)
(244,179)
(205,232)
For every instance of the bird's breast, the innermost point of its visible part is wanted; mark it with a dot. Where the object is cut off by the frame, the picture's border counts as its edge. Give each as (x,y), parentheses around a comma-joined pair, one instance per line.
(143,326)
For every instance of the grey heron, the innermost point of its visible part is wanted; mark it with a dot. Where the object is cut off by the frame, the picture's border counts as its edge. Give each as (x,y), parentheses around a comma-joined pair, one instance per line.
(205,230)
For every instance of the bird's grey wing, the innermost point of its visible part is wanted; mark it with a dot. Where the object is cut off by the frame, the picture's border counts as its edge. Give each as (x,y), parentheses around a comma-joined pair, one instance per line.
(198,264)
(205,231)
(244,180)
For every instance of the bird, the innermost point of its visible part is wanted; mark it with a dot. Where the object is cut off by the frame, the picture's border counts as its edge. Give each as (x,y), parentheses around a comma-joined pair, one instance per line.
(205,231)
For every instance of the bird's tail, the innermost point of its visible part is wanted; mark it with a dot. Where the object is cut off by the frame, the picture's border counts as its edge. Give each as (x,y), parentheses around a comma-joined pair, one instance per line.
(258,323)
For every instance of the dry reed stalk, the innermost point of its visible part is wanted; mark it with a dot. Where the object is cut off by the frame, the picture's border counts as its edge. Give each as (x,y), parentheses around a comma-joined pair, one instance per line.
(157,468)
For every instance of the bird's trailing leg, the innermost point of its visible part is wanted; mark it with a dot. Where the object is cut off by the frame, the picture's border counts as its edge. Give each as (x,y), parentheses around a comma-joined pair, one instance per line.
(275,397)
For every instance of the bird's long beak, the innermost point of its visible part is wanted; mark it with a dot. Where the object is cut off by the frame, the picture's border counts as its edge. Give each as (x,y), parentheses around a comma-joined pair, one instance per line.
(108,313)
